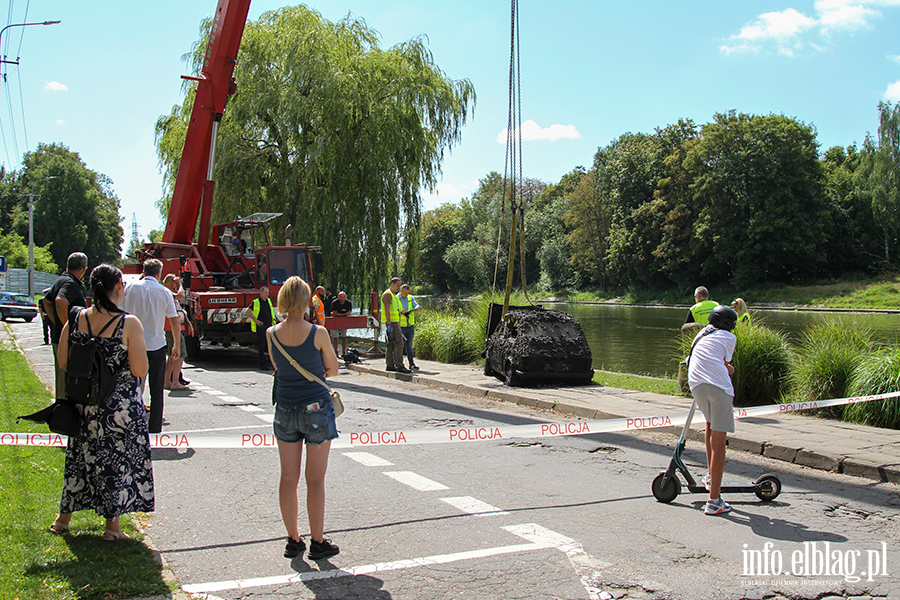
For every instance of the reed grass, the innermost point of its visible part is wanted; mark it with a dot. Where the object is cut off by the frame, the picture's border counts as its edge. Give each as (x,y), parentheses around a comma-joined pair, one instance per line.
(877,373)
(827,358)
(762,364)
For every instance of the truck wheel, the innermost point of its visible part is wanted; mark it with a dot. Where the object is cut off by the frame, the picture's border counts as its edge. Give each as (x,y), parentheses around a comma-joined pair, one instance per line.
(193,346)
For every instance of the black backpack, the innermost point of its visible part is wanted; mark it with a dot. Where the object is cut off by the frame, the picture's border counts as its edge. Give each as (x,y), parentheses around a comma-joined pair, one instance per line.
(88,378)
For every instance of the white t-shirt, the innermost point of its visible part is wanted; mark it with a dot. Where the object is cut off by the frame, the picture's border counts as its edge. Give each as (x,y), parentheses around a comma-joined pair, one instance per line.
(151,302)
(707,361)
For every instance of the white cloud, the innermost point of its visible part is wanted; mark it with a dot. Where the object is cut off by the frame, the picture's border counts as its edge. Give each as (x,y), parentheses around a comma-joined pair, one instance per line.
(895,58)
(529,130)
(447,193)
(892,93)
(55,86)
(60,122)
(788,29)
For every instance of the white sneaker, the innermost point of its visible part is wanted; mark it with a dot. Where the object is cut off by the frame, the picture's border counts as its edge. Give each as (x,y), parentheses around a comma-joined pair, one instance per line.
(706,481)
(717,507)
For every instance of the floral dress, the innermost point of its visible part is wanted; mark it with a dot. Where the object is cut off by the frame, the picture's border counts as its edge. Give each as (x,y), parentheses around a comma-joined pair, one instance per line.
(108,465)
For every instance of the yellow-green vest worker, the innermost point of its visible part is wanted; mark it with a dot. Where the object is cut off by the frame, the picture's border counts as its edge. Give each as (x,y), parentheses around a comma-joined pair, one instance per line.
(408,304)
(255,307)
(743,318)
(394,316)
(700,312)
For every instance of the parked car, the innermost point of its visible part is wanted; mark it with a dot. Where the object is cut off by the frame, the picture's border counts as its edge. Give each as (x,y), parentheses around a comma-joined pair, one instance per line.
(17,306)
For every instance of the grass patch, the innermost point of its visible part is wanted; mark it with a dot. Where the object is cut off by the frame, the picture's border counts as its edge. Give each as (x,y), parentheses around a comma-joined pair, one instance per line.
(636,382)
(878,373)
(37,564)
(827,359)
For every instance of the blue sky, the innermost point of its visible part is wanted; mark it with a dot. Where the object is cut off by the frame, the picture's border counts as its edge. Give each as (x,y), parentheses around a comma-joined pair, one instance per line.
(591,70)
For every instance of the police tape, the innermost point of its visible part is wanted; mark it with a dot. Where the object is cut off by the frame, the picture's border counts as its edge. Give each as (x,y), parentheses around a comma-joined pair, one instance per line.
(357,439)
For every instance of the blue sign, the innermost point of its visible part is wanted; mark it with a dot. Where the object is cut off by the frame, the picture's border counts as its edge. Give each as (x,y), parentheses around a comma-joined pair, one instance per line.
(2,264)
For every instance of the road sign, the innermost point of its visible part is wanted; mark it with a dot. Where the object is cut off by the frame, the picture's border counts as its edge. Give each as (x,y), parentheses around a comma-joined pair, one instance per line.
(2,264)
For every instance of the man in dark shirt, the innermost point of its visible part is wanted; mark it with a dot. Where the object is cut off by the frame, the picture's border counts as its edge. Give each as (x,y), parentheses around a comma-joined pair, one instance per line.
(66,292)
(341,307)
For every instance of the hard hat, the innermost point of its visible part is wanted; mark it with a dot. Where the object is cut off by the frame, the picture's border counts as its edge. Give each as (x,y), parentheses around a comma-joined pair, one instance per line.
(723,317)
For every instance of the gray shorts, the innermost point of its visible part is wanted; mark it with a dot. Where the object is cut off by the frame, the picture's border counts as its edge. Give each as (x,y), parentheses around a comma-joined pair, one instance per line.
(716,405)
(338,333)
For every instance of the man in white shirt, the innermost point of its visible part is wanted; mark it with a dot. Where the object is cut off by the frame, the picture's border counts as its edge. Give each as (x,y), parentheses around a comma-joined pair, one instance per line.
(151,302)
(709,375)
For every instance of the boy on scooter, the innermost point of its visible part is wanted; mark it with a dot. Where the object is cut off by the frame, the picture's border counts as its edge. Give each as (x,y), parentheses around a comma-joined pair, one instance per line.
(709,377)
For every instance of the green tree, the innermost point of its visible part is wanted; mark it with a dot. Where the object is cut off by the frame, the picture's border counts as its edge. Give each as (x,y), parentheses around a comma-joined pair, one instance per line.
(335,132)
(853,234)
(77,210)
(881,172)
(588,220)
(15,249)
(759,184)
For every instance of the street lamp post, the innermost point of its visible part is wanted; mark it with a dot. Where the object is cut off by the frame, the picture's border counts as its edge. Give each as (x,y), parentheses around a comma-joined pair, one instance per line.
(31,234)
(15,62)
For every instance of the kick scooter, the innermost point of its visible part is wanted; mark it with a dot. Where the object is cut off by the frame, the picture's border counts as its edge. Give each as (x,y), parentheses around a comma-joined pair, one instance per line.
(666,485)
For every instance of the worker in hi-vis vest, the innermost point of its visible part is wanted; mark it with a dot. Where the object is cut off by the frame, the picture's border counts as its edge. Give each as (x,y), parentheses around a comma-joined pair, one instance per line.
(699,312)
(262,316)
(390,316)
(408,308)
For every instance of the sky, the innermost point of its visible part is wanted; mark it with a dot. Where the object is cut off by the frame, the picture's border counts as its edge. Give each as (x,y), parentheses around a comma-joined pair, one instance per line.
(591,70)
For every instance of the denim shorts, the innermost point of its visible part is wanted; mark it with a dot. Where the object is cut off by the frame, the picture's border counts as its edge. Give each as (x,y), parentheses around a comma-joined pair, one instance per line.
(312,422)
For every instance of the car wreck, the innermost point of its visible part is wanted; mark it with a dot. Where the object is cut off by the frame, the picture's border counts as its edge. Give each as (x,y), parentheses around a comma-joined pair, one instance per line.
(535,346)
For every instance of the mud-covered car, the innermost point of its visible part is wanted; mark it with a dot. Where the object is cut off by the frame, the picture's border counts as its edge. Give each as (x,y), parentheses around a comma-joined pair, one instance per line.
(536,346)
(17,306)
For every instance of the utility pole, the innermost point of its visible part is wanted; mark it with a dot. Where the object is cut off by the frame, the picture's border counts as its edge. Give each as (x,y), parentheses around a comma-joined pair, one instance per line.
(31,235)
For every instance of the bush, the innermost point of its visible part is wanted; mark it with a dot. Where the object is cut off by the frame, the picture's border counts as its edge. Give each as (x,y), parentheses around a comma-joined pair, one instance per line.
(762,365)
(829,354)
(878,373)
(448,338)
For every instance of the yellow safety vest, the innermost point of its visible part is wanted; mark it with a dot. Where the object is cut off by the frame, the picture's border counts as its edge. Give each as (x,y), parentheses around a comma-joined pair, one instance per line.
(744,317)
(255,307)
(701,311)
(395,307)
(410,319)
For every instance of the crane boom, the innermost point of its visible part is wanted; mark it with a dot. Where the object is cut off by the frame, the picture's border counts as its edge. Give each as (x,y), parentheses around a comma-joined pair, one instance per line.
(192,196)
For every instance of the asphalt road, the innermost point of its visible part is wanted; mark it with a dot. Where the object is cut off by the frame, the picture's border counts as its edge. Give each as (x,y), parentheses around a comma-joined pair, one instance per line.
(566,517)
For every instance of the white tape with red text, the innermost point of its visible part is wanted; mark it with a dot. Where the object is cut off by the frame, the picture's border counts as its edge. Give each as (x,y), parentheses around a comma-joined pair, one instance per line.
(357,439)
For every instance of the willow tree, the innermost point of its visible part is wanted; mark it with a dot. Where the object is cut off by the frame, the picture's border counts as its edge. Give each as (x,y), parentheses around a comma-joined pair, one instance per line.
(332,130)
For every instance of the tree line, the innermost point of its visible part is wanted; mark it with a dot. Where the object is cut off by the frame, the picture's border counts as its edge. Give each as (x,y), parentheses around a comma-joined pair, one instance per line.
(744,199)
(74,209)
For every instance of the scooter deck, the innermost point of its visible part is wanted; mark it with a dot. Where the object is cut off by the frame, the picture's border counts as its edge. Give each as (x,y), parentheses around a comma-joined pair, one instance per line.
(729,488)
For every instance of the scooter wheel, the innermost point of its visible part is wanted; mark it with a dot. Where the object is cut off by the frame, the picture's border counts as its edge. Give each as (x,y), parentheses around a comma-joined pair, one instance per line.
(668,492)
(767,488)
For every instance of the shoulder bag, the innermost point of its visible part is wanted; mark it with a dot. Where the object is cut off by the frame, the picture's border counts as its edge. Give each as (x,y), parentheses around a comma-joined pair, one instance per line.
(335,397)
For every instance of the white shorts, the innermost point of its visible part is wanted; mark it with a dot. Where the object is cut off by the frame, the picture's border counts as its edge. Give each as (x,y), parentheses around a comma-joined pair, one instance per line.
(716,405)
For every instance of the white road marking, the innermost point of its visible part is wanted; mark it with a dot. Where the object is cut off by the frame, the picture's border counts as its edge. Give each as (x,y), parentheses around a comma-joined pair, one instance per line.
(215,392)
(233,399)
(268,418)
(251,408)
(200,387)
(367,459)
(473,506)
(440,559)
(587,569)
(416,481)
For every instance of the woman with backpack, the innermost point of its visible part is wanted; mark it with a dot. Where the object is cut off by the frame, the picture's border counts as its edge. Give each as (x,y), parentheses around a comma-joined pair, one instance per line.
(108,466)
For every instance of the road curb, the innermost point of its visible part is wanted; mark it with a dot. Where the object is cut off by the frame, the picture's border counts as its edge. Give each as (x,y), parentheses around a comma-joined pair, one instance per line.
(822,461)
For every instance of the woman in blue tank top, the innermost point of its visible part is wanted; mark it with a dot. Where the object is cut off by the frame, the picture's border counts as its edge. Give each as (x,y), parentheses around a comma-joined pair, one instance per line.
(303,413)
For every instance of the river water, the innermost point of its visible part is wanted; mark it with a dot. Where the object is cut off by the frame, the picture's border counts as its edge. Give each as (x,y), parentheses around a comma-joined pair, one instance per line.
(642,339)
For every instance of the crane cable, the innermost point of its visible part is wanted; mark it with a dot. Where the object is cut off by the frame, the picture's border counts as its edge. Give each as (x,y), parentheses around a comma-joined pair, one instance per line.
(512,175)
